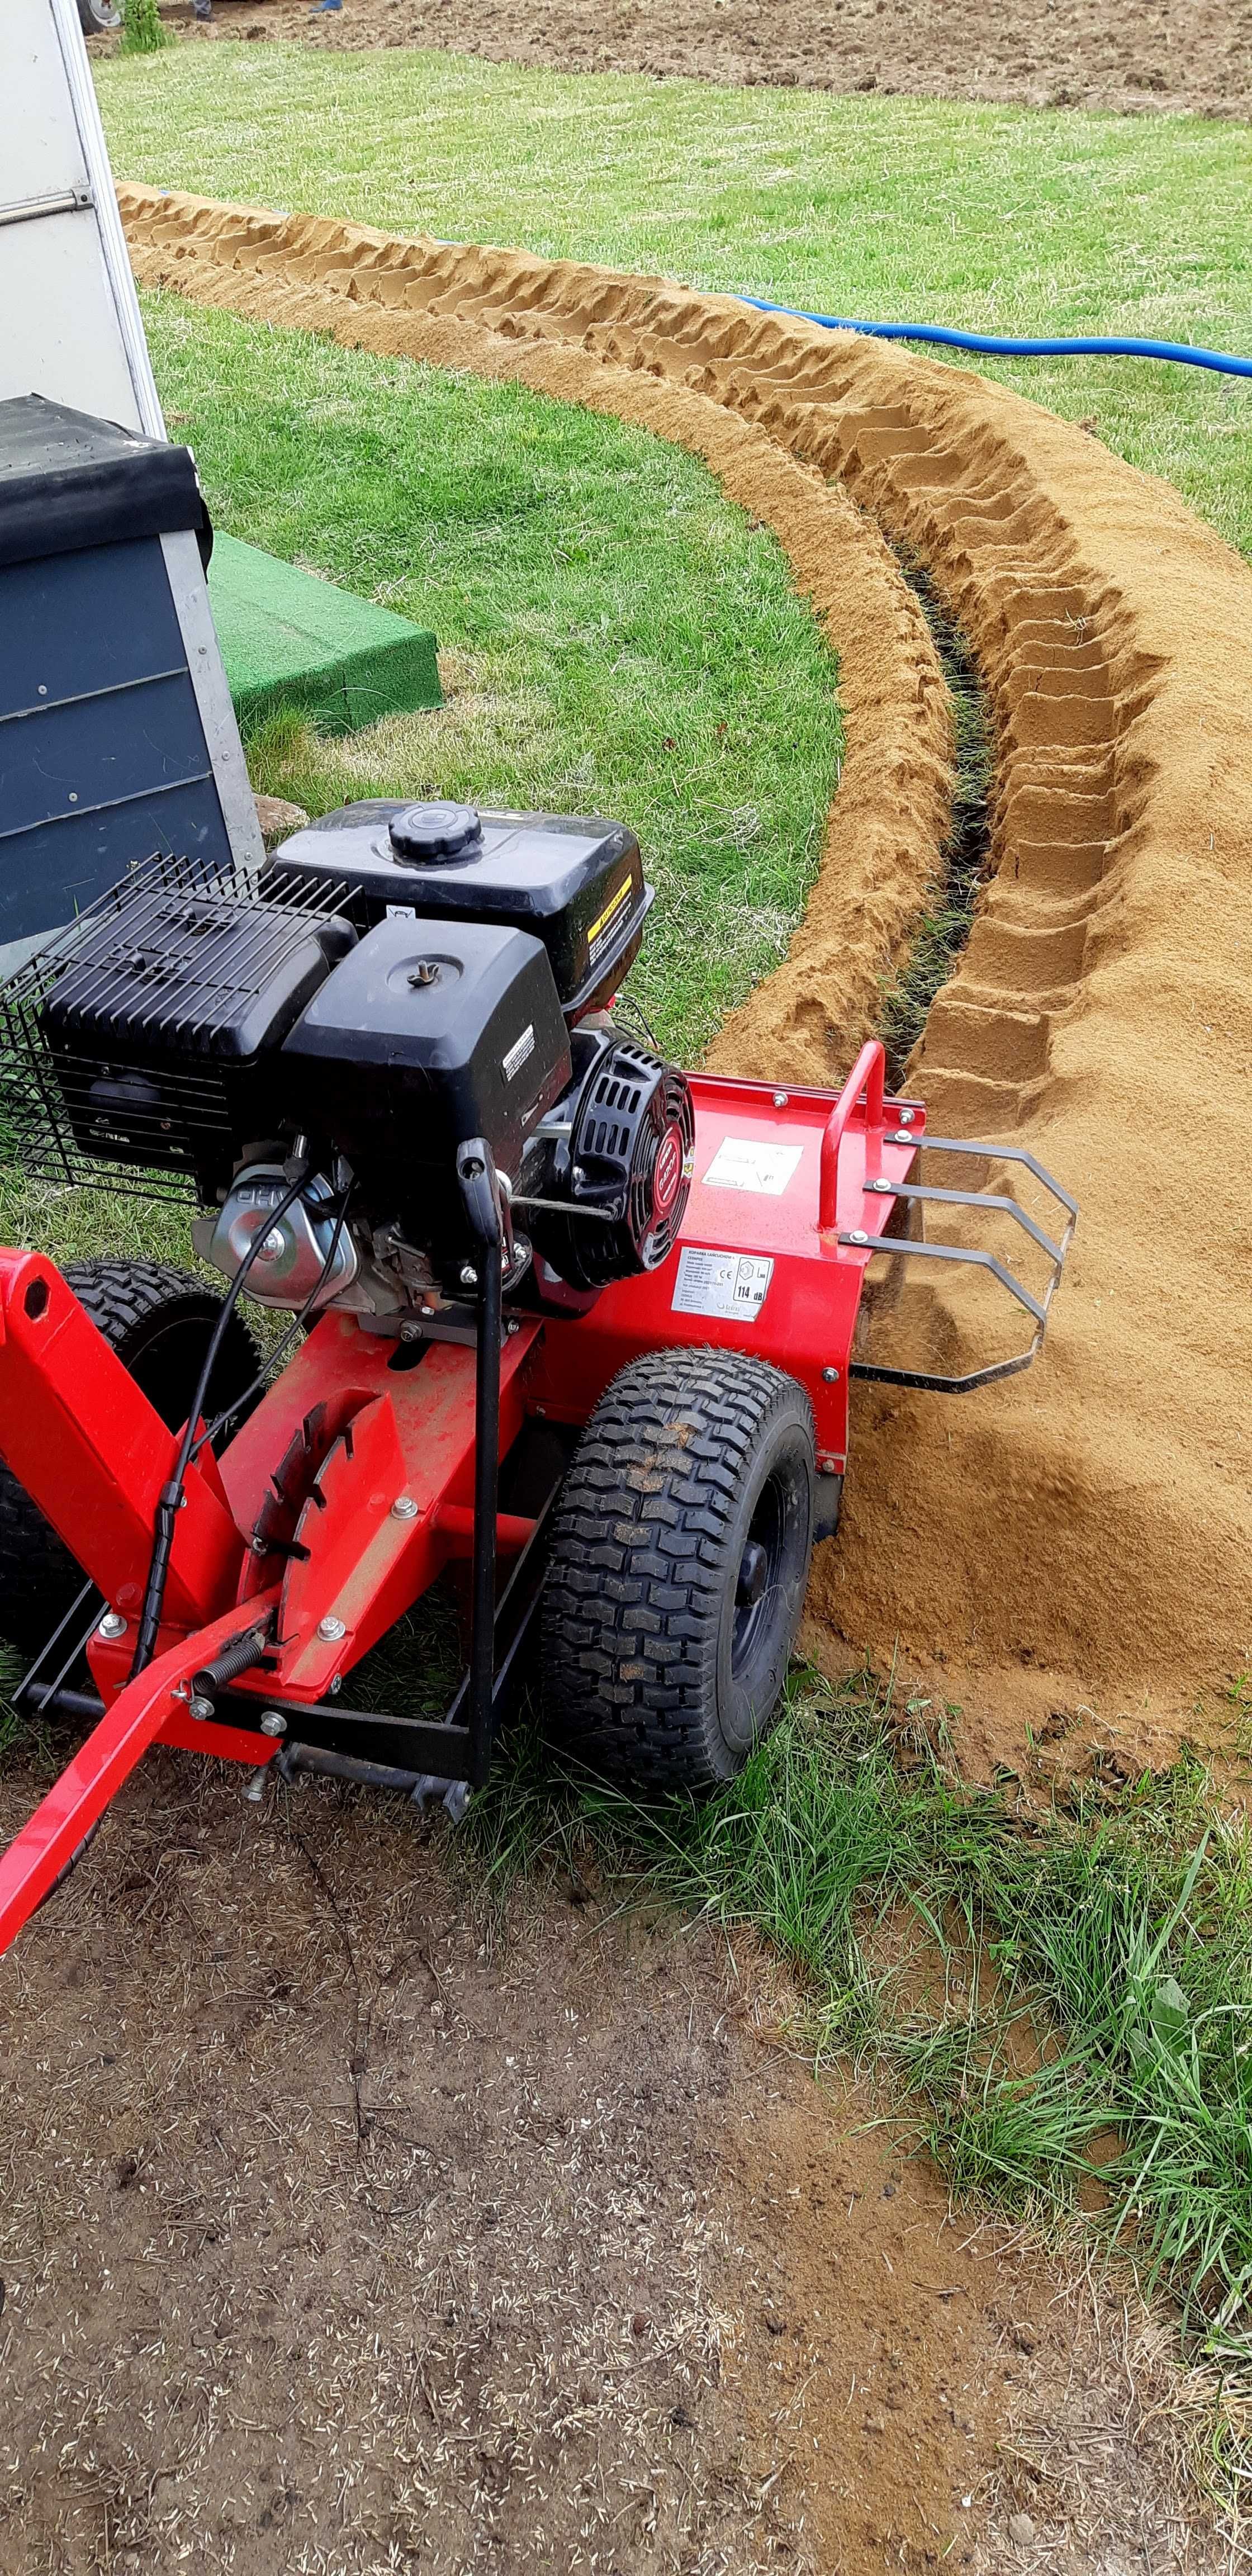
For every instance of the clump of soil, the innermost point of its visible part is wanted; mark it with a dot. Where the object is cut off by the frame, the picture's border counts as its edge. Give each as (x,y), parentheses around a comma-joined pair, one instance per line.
(1074,53)
(1075,1538)
(338,2236)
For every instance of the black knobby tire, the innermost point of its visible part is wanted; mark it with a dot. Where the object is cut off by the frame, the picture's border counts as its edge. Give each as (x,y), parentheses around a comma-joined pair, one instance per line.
(680,1557)
(158,1321)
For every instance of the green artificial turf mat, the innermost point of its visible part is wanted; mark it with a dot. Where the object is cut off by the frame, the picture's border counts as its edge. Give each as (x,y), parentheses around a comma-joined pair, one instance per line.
(292,640)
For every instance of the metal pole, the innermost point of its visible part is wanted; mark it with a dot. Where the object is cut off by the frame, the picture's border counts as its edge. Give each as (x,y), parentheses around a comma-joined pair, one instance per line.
(486,1500)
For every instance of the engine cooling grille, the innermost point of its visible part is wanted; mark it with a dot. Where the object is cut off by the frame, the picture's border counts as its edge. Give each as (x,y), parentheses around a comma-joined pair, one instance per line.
(123,1037)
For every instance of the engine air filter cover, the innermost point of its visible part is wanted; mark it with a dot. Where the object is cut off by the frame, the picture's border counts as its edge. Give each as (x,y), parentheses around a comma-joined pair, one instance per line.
(429,1033)
(162,1029)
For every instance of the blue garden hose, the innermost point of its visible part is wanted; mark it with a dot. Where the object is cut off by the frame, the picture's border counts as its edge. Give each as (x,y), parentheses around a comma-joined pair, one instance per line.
(992,346)
(989,344)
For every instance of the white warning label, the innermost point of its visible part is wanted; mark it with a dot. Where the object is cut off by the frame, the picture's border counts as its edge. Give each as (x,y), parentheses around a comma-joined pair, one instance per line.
(752,1163)
(721,1283)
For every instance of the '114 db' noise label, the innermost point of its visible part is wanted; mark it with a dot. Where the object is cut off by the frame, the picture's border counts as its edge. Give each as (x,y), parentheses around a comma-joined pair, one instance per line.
(721,1283)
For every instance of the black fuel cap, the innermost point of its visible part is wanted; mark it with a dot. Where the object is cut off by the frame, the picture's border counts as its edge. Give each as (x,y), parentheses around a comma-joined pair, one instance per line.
(423,834)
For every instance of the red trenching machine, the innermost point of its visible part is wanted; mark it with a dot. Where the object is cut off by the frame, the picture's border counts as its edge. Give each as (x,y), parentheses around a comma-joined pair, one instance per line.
(556,1308)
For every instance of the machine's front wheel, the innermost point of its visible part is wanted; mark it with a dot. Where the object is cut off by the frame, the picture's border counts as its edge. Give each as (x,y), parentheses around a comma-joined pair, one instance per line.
(680,1556)
(158,1321)
(99,17)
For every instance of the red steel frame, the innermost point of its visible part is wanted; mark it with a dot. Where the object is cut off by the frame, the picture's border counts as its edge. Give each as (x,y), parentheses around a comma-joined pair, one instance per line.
(364,1435)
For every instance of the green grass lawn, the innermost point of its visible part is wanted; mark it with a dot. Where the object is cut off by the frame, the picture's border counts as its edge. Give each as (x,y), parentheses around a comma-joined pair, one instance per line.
(1000,219)
(622,640)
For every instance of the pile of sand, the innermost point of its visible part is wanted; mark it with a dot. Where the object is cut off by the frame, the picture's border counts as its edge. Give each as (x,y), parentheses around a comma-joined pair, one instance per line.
(1082,1531)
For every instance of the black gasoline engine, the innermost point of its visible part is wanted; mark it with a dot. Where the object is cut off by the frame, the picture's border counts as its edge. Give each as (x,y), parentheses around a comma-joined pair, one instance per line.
(398,981)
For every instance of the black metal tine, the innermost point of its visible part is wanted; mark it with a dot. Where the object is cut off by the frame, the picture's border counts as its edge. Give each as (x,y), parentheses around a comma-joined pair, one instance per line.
(50,1643)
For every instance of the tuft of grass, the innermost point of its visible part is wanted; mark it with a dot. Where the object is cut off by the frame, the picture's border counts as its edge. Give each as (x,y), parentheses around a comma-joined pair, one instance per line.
(142,31)
(618,637)
(1081,2037)
(1000,219)
(11,1725)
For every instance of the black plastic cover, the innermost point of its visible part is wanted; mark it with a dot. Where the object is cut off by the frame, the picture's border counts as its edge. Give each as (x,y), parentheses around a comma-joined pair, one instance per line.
(429,1033)
(68,481)
(574,882)
(195,975)
(623,1170)
(163,1032)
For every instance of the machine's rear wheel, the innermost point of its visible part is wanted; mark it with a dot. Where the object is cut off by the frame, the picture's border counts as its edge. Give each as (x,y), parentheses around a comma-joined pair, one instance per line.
(679,1561)
(99,17)
(158,1321)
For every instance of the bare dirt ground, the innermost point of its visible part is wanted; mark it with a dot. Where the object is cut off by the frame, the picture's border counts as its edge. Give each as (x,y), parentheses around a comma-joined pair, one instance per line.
(338,2237)
(1154,54)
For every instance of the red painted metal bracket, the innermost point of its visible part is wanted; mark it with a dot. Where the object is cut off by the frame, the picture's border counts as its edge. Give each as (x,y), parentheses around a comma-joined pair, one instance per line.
(94,1454)
(405,1437)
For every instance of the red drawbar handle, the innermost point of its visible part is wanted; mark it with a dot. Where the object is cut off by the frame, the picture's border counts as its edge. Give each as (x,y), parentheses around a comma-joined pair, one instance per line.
(868,1076)
(44,1847)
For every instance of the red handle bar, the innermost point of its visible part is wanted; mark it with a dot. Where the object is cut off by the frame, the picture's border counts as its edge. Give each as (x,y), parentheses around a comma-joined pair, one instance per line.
(868,1075)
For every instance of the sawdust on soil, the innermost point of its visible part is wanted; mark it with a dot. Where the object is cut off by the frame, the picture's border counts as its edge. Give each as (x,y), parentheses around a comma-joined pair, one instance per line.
(410,2249)
(1073,53)
(1074,1541)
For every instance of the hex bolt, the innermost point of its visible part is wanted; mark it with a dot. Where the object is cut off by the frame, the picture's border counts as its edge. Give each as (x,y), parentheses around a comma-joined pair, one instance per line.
(330,1629)
(112,1626)
(273,1722)
(404,1508)
(198,1706)
(831,1376)
(907,1117)
(469,1276)
(411,1332)
(780,1100)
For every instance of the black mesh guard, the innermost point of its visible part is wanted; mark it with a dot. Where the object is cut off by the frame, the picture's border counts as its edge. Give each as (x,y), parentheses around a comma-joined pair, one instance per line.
(126,1040)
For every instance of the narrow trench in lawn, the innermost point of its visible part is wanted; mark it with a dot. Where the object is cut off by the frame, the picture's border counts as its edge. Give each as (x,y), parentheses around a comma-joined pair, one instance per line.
(943,928)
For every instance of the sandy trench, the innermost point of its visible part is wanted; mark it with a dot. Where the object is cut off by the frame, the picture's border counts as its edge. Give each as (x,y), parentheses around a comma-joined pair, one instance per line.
(1077,1538)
